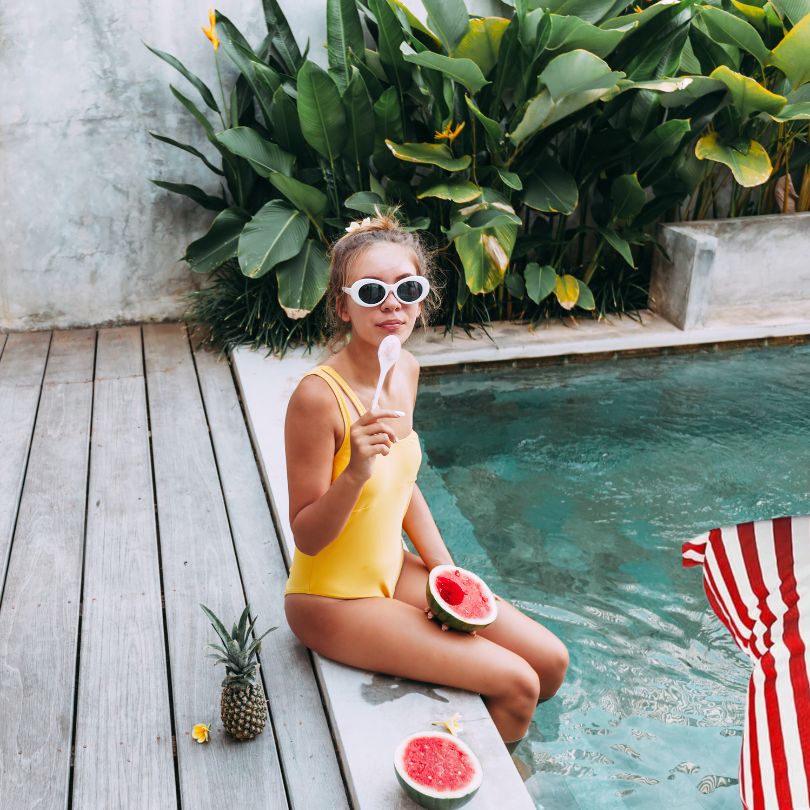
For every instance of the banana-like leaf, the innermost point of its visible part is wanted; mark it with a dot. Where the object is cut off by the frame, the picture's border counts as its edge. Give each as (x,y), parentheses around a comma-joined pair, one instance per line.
(344,34)
(551,188)
(793,112)
(591,11)
(754,14)
(794,10)
(367,202)
(308,199)
(535,115)
(390,36)
(411,22)
(697,87)
(619,244)
(627,196)
(449,19)
(276,233)
(459,191)
(751,168)
(747,95)
(577,72)
(639,18)
(388,114)
(484,258)
(570,33)
(482,42)
(199,84)
(359,120)
(792,54)
(194,193)
(187,148)
(281,37)
(220,243)
(264,156)
(660,143)
(731,30)
(196,112)
(320,111)
(431,153)
(302,280)
(284,121)
(566,288)
(463,71)
(540,281)
(492,128)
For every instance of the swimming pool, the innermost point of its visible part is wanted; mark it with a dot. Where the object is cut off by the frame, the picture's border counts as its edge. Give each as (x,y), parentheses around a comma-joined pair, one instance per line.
(570,489)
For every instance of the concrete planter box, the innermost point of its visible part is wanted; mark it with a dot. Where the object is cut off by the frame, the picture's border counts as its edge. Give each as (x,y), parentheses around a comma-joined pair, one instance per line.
(745,269)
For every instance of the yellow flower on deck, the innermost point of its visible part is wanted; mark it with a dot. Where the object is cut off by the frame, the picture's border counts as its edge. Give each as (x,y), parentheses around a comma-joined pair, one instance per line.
(451,724)
(211,30)
(448,133)
(200,732)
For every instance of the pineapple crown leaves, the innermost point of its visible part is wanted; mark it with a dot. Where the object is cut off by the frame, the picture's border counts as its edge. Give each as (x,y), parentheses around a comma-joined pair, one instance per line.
(235,652)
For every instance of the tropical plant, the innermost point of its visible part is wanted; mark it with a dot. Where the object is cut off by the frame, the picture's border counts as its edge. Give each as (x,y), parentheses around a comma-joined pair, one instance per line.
(536,150)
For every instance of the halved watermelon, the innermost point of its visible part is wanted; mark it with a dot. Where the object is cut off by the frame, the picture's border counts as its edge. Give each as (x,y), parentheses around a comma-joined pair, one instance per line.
(459,599)
(437,770)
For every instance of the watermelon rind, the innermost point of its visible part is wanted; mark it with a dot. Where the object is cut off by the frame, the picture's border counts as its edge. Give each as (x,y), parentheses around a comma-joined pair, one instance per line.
(445,614)
(422,795)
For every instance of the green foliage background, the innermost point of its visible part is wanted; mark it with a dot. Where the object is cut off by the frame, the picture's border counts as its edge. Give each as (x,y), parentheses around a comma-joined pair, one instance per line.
(536,149)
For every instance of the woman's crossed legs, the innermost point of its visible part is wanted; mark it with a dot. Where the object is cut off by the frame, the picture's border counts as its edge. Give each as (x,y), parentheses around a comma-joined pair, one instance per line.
(512,664)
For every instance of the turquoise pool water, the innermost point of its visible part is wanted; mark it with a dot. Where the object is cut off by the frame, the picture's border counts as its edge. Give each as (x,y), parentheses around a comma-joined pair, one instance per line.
(570,489)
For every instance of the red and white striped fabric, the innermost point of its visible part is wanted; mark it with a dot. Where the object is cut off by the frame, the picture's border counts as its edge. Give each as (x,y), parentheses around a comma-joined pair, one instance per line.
(757,578)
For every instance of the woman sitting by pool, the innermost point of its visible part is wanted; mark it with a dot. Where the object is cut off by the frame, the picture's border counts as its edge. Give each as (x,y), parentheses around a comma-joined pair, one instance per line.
(354,593)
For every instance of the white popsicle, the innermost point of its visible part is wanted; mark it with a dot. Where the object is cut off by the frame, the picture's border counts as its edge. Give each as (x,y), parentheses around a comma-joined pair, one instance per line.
(388,354)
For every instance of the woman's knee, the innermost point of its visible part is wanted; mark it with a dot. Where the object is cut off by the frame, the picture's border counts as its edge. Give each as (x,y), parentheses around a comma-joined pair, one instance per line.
(552,668)
(519,686)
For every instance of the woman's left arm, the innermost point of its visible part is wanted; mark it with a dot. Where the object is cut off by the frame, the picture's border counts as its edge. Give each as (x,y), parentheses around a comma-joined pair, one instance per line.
(424,533)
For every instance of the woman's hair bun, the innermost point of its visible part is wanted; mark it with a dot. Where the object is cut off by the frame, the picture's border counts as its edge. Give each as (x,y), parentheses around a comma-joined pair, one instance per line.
(381,221)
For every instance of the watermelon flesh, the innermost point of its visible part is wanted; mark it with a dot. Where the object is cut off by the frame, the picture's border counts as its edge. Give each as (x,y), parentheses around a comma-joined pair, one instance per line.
(437,770)
(459,599)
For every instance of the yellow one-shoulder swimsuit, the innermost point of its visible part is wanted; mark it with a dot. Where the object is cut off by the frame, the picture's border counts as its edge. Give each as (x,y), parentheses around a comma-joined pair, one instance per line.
(366,558)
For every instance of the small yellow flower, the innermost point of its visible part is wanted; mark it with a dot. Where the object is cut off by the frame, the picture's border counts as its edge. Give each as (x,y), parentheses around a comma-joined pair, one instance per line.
(200,732)
(448,133)
(637,9)
(211,30)
(451,724)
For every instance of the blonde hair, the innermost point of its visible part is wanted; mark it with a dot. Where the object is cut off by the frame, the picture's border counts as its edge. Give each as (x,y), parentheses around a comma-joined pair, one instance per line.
(360,236)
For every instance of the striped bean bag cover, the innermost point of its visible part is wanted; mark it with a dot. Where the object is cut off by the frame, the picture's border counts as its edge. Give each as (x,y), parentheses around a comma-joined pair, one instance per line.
(757,578)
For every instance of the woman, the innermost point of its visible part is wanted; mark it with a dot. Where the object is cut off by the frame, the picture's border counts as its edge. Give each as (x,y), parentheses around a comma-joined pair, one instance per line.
(354,594)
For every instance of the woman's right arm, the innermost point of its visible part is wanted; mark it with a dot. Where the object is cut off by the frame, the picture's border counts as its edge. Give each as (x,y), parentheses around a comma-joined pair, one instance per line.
(319,507)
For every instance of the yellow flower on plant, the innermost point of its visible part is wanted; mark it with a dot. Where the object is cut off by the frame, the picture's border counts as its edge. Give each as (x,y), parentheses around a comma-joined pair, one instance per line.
(200,732)
(451,724)
(211,30)
(448,133)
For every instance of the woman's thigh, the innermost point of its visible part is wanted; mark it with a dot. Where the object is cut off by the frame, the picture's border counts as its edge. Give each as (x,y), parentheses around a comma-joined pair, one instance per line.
(393,637)
(512,629)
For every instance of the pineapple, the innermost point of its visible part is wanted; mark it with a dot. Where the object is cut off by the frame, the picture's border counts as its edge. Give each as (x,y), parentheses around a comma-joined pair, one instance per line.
(243,708)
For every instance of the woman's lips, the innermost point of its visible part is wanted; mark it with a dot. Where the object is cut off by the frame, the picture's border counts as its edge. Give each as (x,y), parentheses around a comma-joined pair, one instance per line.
(391,325)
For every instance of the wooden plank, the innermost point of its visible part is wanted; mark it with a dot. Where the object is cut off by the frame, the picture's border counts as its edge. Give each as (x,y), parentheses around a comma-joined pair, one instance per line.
(39,615)
(2,343)
(307,752)
(21,368)
(199,565)
(123,738)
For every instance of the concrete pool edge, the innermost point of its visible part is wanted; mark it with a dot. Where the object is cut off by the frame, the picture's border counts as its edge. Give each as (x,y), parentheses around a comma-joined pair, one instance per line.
(364,729)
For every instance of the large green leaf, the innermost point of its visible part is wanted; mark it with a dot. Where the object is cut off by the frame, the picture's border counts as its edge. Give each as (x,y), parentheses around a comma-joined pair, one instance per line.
(585,300)
(535,115)
(619,244)
(491,128)
(220,243)
(308,199)
(627,197)
(320,111)
(751,168)
(196,112)
(359,120)
(576,72)
(281,37)
(551,188)
(302,280)
(755,14)
(697,87)
(731,30)
(794,10)
(482,42)
(344,34)
(484,259)
(449,19)
(275,233)
(367,202)
(432,153)
(747,95)
(200,86)
(660,143)
(540,281)
(284,120)
(792,54)
(265,157)
(388,114)
(570,33)
(459,191)
(410,22)
(194,193)
(463,71)
(591,11)
(794,112)
(389,32)
(187,148)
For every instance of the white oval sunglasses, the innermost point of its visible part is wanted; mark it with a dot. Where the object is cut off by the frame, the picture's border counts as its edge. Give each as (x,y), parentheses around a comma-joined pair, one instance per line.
(371,292)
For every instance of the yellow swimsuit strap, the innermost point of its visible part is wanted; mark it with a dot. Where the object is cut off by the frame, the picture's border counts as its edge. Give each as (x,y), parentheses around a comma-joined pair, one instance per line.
(346,388)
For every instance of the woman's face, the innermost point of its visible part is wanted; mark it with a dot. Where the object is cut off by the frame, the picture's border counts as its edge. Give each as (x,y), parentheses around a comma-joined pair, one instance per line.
(388,262)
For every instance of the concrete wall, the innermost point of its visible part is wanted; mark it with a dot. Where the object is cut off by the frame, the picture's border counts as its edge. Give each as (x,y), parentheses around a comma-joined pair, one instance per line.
(87,239)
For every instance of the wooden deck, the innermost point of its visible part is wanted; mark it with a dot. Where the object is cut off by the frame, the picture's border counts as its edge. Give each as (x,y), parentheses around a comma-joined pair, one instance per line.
(129,494)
